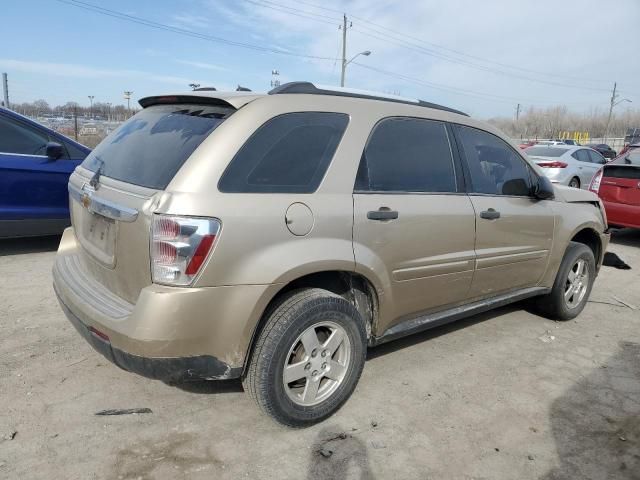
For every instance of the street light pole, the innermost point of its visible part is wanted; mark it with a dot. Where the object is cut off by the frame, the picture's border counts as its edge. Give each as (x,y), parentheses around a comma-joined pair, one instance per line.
(366,53)
(127,96)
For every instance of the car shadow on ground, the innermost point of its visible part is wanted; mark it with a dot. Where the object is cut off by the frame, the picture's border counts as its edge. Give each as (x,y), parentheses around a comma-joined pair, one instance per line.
(417,338)
(628,236)
(20,246)
(210,387)
(596,423)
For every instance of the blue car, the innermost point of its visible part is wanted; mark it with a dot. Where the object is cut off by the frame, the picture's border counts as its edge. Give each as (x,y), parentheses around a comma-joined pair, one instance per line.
(35,164)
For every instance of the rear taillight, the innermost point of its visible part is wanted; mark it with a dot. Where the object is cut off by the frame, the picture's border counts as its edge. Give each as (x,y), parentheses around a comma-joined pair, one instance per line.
(595,182)
(180,246)
(553,164)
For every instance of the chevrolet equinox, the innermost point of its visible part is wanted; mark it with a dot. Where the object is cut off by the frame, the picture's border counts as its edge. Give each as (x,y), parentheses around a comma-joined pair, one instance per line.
(275,237)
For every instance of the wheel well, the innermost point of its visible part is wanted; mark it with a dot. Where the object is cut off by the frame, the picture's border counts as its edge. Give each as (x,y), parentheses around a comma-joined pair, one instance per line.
(591,239)
(351,286)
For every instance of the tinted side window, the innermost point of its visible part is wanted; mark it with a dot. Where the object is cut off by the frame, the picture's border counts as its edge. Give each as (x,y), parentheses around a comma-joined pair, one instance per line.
(583,155)
(494,167)
(18,138)
(596,157)
(407,155)
(288,154)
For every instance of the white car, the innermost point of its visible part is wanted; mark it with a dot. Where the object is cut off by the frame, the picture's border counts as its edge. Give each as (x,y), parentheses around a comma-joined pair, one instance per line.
(566,164)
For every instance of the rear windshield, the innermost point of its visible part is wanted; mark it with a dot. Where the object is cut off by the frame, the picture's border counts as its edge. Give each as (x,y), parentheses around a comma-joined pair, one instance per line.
(545,151)
(149,149)
(632,158)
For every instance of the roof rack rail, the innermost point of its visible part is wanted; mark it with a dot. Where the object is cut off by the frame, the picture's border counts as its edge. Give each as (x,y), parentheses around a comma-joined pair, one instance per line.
(310,88)
(205,89)
(242,89)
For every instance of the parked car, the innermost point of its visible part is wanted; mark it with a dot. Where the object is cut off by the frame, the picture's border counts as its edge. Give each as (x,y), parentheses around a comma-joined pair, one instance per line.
(568,141)
(550,142)
(276,237)
(35,164)
(571,166)
(527,144)
(618,185)
(605,150)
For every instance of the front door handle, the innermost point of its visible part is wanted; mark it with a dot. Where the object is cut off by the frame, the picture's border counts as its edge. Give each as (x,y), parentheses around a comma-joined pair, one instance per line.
(490,214)
(382,214)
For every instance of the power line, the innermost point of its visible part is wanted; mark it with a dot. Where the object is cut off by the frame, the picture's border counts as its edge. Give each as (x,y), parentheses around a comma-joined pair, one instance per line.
(443,56)
(431,53)
(454,90)
(182,31)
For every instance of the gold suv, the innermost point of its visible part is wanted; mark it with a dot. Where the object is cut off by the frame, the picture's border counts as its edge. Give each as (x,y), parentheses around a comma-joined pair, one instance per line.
(275,237)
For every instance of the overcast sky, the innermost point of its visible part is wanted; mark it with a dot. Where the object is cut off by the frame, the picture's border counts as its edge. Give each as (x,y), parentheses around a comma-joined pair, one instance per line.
(482,57)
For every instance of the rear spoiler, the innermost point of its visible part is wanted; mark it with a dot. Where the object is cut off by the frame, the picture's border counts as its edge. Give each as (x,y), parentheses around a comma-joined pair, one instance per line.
(173,99)
(233,100)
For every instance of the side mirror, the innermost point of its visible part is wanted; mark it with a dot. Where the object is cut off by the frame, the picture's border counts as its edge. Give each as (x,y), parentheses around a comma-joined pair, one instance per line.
(544,189)
(54,150)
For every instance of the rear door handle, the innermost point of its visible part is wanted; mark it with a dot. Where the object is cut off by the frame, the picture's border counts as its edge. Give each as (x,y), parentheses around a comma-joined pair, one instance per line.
(382,214)
(490,214)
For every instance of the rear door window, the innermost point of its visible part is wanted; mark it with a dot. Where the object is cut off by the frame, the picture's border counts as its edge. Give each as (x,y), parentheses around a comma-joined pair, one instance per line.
(149,149)
(582,155)
(288,154)
(596,157)
(406,154)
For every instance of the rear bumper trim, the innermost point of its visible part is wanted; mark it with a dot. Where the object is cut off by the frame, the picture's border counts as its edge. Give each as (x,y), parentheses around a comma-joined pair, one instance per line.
(169,370)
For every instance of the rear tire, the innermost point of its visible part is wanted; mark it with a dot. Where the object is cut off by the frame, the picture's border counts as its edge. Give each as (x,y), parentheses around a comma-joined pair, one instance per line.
(574,182)
(308,358)
(572,286)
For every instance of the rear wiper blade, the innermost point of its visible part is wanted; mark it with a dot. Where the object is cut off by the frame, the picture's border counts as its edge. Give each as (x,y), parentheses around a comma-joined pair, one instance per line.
(95,179)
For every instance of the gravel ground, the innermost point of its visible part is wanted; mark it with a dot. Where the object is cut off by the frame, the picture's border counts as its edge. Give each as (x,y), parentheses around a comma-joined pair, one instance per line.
(503,395)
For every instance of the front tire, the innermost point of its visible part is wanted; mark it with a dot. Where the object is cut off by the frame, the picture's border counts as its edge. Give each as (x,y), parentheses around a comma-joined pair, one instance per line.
(572,286)
(308,358)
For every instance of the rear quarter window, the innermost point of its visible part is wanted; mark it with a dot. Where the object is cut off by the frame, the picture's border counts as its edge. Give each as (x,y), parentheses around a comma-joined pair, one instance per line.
(288,154)
(149,149)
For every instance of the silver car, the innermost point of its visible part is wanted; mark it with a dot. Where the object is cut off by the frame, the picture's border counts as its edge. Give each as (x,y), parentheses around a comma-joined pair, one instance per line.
(567,164)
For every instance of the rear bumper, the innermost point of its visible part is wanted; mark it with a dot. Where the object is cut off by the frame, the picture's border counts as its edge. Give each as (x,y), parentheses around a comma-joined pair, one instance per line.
(169,333)
(170,370)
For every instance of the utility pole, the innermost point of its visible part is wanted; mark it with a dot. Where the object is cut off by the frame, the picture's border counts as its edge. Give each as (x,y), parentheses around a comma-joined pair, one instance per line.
(127,96)
(75,122)
(5,88)
(91,97)
(614,96)
(344,48)
(517,119)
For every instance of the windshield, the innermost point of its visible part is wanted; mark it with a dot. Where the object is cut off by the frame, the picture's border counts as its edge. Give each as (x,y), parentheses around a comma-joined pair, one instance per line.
(149,148)
(545,151)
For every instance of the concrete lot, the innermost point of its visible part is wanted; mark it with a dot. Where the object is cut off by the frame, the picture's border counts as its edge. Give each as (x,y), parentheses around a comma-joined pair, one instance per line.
(504,395)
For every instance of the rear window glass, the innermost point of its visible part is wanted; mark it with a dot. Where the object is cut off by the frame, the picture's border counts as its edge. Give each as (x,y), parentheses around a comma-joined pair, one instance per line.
(288,154)
(632,158)
(150,148)
(545,151)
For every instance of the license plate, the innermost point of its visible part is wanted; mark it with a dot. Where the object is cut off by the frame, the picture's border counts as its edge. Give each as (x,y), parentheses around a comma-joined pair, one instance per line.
(99,234)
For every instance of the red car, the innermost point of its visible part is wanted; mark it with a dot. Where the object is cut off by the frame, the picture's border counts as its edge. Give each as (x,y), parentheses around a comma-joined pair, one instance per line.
(527,144)
(618,185)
